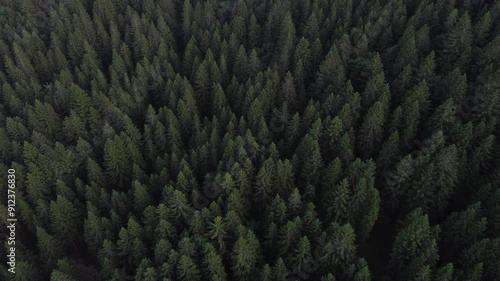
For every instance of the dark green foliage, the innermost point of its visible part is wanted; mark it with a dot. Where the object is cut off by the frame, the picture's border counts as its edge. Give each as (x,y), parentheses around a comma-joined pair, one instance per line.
(252,140)
(415,247)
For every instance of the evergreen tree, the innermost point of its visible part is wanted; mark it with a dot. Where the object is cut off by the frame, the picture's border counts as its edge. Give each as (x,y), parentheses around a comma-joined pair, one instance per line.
(415,247)
(213,263)
(188,270)
(370,134)
(331,74)
(245,255)
(64,218)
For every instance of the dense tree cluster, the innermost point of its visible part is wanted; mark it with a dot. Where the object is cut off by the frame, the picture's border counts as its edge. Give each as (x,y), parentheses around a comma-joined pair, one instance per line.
(252,140)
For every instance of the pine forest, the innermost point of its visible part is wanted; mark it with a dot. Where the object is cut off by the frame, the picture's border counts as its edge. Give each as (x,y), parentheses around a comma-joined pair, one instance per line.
(242,140)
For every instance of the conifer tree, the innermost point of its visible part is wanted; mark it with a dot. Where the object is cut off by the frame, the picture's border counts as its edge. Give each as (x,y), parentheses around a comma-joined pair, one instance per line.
(188,271)
(370,134)
(64,218)
(245,255)
(415,246)
(331,74)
